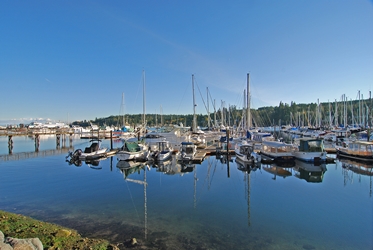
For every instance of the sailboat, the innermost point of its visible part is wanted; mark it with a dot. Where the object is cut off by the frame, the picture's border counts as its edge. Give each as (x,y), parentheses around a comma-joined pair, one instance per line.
(123,132)
(135,150)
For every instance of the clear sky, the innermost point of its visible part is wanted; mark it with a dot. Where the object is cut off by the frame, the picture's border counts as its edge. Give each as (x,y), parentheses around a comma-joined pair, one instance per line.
(72,60)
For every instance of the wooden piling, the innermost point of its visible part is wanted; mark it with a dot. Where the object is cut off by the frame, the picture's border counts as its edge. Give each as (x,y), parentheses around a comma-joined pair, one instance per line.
(111,139)
(37,143)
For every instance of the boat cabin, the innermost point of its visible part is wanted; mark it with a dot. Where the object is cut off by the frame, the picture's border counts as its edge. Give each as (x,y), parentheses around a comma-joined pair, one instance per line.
(311,145)
(188,147)
(94,147)
(246,149)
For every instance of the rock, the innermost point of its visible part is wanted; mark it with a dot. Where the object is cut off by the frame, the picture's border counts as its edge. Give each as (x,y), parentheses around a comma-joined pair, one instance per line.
(4,246)
(2,238)
(63,233)
(133,241)
(25,244)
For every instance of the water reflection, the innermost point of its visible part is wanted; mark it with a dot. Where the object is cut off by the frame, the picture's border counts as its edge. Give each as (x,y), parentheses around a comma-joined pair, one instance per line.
(129,167)
(247,166)
(350,167)
(172,167)
(94,163)
(276,170)
(361,168)
(309,171)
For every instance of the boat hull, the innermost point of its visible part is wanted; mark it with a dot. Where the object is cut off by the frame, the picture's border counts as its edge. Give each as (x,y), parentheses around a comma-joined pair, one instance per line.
(280,158)
(128,156)
(94,155)
(346,155)
(310,156)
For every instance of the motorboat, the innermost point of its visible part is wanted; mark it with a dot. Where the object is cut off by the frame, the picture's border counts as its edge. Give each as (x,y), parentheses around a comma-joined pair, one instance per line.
(310,150)
(356,150)
(245,152)
(94,151)
(133,150)
(187,151)
(163,152)
(175,136)
(279,152)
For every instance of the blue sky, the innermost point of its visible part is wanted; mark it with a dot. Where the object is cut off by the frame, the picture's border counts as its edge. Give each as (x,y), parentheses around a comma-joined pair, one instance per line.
(72,60)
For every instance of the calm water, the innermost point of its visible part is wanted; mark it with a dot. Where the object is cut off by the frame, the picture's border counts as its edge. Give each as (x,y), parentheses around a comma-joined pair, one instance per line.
(209,206)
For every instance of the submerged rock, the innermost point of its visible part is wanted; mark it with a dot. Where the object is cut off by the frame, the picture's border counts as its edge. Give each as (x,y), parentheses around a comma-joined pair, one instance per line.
(308,247)
(133,241)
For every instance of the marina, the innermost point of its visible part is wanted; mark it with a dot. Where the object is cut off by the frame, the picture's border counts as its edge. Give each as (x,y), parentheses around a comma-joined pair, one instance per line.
(216,203)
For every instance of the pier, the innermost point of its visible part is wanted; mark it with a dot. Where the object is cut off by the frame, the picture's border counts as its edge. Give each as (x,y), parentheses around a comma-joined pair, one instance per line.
(27,155)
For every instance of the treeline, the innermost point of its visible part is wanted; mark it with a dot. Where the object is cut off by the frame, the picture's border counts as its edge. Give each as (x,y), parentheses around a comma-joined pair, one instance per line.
(284,114)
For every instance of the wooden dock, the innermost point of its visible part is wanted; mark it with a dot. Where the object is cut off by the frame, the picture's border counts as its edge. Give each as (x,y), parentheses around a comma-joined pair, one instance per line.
(213,149)
(199,157)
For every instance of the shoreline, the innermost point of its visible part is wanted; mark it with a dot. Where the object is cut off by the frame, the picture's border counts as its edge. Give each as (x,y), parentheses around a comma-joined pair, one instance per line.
(54,236)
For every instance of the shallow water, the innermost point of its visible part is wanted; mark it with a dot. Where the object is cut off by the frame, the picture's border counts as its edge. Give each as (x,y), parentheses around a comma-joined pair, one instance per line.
(213,205)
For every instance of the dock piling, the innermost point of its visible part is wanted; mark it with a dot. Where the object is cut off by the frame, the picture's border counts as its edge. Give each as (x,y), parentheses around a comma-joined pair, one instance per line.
(37,143)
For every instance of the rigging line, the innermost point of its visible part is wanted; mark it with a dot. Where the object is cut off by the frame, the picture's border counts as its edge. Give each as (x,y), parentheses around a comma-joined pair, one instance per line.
(212,103)
(133,203)
(181,100)
(201,95)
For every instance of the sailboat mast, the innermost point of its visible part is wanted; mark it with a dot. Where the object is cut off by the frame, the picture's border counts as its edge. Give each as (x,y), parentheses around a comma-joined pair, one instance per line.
(143,98)
(208,109)
(123,118)
(215,124)
(244,125)
(248,114)
(194,108)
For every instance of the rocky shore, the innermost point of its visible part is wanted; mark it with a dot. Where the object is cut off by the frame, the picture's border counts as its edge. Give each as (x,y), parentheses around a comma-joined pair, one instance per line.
(22,232)
(10,243)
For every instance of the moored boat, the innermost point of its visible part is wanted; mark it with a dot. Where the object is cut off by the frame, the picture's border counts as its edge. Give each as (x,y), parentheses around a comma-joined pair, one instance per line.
(133,150)
(280,152)
(163,152)
(357,150)
(187,151)
(245,152)
(94,151)
(310,150)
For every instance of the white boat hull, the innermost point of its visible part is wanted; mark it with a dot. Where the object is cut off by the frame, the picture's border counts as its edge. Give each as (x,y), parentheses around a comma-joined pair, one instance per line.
(310,156)
(127,156)
(96,154)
